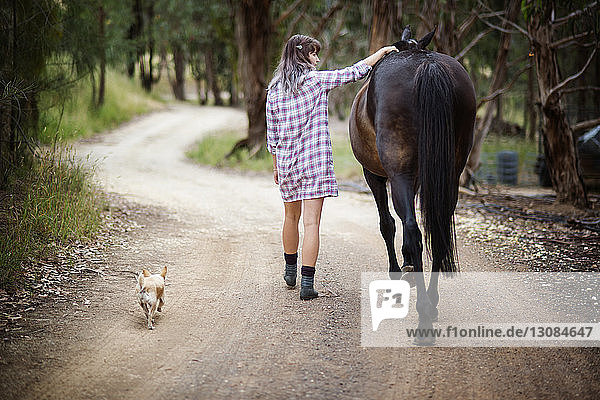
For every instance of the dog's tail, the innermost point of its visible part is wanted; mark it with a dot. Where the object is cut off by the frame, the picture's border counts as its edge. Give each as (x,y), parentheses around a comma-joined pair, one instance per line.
(140,280)
(163,273)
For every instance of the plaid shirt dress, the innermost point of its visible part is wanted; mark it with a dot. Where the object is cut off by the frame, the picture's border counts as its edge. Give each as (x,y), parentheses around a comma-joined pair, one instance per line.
(298,134)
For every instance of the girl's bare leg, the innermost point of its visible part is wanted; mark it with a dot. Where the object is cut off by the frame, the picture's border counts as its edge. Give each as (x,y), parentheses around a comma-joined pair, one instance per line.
(290,234)
(312,222)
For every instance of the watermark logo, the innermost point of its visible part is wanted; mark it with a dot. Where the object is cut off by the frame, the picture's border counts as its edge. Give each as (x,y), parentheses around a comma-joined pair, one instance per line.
(484,309)
(389,300)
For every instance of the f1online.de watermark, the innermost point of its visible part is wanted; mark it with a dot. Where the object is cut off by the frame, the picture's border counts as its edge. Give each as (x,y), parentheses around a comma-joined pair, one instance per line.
(485,309)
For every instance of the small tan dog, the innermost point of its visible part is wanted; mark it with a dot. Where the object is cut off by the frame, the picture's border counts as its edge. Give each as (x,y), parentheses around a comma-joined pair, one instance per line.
(151,293)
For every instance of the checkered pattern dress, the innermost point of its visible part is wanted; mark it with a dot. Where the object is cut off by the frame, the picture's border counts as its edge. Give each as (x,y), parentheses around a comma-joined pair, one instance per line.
(298,134)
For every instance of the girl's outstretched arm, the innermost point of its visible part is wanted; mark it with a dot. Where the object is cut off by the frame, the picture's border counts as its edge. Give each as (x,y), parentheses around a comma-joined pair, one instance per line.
(373,58)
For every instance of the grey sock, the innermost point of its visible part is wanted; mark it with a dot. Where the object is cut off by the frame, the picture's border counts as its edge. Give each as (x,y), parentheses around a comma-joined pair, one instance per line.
(307,281)
(290,269)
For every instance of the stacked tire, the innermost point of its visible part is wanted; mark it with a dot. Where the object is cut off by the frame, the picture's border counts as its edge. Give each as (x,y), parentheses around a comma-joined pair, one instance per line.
(507,167)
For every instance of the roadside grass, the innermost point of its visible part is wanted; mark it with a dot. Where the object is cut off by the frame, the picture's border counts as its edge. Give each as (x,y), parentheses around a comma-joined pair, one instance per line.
(124,99)
(211,150)
(496,143)
(344,163)
(49,201)
(526,150)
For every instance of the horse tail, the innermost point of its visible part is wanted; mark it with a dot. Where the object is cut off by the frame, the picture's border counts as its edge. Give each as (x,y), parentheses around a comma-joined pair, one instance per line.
(437,176)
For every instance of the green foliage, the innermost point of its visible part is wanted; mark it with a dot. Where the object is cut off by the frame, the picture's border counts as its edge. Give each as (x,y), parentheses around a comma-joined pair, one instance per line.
(73,117)
(522,146)
(526,150)
(344,163)
(81,38)
(528,7)
(48,46)
(51,202)
(30,33)
(212,28)
(212,150)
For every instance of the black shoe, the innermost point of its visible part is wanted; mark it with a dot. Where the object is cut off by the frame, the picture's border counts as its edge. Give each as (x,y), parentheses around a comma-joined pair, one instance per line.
(308,293)
(307,290)
(290,275)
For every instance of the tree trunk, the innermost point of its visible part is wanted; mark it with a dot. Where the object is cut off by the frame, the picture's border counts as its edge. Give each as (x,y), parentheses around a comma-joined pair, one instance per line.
(13,109)
(234,66)
(4,135)
(241,55)
(147,70)
(178,85)
(498,118)
(15,123)
(133,35)
(429,15)
(200,90)
(530,110)
(559,146)
(102,82)
(383,22)
(482,128)
(447,38)
(596,82)
(211,76)
(150,79)
(253,17)
(582,114)
(93,85)
(234,99)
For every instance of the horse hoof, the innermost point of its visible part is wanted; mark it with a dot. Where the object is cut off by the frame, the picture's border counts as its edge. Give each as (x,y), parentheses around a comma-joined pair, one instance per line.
(408,275)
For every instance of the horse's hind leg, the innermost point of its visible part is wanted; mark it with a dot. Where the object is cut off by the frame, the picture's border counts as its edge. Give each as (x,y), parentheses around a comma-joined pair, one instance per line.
(432,290)
(387,226)
(403,196)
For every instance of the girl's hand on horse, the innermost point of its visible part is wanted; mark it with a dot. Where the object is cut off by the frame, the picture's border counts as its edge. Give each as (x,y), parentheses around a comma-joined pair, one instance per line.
(378,55)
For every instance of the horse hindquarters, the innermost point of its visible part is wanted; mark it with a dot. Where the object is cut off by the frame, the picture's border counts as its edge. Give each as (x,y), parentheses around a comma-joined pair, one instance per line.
(434,100)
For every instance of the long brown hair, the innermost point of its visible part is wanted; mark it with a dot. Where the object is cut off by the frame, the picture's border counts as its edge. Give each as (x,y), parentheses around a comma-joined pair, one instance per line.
(294,63)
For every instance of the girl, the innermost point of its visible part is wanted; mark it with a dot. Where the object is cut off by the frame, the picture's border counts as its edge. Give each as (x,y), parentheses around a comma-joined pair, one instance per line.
(298,139)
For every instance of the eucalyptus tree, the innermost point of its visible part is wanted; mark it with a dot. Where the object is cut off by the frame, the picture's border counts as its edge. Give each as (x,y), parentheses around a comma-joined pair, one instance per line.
(213,50)
(490,104)
(552,27)
(142,36)
(262,26)
(386,23)
(174,29)
(29,34)
(92,39)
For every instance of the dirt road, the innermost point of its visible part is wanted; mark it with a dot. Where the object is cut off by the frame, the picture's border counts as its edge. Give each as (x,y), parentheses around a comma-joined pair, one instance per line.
(230,328)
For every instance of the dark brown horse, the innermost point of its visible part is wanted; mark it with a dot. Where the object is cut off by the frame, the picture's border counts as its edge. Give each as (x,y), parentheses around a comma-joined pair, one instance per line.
(412,124)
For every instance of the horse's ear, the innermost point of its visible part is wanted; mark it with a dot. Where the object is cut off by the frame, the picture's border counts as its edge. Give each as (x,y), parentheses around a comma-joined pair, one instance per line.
(406,34)
(424,42)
